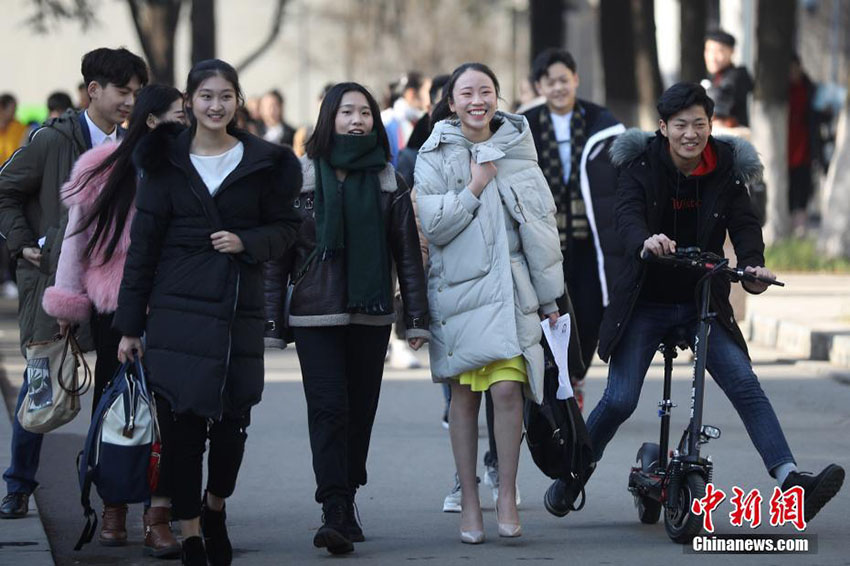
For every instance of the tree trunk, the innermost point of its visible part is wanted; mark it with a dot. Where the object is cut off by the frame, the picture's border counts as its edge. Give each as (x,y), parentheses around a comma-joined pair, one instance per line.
(547,25)
(834,238)
(274,31)
(647,71)
(156,24)
(694,24)
(776,20)
(203,30)
(618,63)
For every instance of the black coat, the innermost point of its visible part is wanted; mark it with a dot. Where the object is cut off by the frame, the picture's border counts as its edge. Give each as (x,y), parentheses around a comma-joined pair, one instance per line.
(644,185)
(600,177)
(202,310)
(729,90)
(320,297)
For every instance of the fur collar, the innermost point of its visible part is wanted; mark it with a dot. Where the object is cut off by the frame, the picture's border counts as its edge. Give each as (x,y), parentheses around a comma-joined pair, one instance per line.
(152,151)
(746,164)
(386,177)
(87,193)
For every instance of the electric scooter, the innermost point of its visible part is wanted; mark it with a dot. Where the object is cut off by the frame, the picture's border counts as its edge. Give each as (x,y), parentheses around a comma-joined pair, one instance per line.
(672,482)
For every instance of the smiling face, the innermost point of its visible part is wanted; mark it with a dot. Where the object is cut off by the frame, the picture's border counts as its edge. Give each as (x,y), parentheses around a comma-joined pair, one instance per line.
(559,86)
(214,103)
(112,103)
(688,132)
(354,116)
(475,101)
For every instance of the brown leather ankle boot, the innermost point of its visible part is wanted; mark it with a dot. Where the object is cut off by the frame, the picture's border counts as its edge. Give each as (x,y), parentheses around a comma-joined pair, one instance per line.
(113,529)
(159,540)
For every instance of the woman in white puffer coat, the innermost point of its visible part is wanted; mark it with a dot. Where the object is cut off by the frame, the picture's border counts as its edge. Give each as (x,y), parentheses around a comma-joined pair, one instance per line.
(494,270)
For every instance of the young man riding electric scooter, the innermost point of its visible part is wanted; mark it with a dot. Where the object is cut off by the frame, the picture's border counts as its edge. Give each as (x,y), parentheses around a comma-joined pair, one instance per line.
(681,187)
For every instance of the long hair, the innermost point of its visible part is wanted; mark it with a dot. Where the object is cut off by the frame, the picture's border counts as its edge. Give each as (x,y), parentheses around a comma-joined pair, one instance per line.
(442,110)
(201,72)
(321,142)
(113,203)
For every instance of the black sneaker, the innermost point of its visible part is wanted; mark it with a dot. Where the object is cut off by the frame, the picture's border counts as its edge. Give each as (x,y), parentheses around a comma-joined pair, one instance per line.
(15,505)
(333,534)
(352,522)
(192,552)
(559,499)
(217,542)
(819,489)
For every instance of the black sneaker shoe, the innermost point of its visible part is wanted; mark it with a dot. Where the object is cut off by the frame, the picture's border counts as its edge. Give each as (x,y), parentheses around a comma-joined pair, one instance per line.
(333,534)
(352,522)
(214,527)
(15,505)
(559,499)
(819,489)
(193,553)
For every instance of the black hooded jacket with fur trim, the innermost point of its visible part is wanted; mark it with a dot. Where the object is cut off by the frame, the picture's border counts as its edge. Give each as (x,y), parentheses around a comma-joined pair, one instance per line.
(644,184)
(201,310)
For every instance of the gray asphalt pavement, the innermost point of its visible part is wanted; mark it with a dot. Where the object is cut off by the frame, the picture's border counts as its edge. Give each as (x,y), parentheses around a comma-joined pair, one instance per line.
(273,515)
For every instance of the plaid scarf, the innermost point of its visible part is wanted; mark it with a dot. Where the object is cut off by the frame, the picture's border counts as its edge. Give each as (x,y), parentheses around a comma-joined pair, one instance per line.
(571,215)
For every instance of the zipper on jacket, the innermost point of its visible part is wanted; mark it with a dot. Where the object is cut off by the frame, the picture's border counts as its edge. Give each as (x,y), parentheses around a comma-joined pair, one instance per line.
(229,344)
(518,206)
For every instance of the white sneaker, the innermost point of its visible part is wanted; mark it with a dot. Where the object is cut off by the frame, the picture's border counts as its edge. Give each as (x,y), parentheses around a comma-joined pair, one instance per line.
(491,479)
(402,357)
(451,504)
(10,290)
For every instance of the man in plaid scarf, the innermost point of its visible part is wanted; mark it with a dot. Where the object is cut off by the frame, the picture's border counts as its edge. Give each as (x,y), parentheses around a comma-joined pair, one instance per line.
(572,138)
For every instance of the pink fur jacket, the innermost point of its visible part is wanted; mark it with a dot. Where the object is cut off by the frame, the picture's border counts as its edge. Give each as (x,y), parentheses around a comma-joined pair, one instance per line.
(83,282)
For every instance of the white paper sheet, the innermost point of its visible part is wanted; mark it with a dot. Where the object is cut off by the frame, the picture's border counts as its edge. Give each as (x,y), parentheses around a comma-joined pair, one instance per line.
(558,338)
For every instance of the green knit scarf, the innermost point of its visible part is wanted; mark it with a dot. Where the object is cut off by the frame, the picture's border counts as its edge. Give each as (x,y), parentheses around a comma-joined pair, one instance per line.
(349,218)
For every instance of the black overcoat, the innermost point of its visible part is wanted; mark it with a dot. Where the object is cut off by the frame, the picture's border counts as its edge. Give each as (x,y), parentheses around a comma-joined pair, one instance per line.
(202,310)
(644,185)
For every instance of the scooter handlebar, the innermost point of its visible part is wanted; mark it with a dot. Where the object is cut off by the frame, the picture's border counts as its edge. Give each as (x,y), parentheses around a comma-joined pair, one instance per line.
(691,258)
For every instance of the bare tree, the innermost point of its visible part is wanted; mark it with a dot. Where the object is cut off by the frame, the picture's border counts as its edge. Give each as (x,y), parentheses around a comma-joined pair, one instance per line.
(630,59)
(547,24)
(776,21)
(694,24)
(834,237)
(156,24)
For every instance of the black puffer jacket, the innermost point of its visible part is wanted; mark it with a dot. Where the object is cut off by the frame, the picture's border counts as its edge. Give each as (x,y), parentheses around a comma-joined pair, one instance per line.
(202,310)
(320,297)
(644,185)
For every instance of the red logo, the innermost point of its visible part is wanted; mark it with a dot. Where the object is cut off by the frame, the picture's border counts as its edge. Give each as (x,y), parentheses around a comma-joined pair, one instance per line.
(788,507)
(747,508)
(706,505)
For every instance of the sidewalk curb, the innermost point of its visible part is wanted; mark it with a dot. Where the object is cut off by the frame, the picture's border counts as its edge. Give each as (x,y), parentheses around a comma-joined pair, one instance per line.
(23,541)
(793,337)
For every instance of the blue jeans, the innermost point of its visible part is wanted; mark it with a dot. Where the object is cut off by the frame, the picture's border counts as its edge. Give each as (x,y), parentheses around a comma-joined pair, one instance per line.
(726,361)
(26,450)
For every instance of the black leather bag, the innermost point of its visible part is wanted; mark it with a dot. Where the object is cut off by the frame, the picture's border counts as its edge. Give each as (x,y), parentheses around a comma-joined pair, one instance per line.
(556,433)
(286,331)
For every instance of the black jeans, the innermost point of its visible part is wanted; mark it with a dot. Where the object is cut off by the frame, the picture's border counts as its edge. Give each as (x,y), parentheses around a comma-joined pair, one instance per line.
(582,278)
(342,368)
(106,341)
(184,439)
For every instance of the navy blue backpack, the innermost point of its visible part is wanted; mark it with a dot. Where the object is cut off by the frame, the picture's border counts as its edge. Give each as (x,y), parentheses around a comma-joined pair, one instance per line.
(117,452)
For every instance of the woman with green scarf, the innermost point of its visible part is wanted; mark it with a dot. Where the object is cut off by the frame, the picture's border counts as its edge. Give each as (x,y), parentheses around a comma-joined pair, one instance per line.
(358,226)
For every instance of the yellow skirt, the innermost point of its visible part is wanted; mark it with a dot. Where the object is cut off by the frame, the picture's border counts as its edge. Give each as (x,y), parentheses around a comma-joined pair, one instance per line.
(503,370)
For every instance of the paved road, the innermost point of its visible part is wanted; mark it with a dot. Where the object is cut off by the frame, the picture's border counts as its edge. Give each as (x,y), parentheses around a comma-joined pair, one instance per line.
(273,516)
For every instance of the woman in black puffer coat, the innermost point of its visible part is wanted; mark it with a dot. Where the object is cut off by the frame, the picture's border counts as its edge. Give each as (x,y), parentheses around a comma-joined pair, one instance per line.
(213,204)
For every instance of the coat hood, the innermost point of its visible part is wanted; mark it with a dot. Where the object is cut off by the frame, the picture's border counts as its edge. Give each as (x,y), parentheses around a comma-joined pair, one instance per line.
(512,139)
(68,124)
(86,194)
(746,164)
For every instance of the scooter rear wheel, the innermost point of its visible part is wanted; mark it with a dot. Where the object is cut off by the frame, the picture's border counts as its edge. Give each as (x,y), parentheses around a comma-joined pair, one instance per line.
(679,522)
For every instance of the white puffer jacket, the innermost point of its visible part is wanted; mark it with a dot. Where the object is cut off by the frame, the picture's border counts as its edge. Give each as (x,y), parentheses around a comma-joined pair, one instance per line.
(495,261)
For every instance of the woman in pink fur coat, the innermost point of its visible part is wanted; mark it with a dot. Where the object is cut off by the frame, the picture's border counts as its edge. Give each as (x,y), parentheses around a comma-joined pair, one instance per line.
(100,197)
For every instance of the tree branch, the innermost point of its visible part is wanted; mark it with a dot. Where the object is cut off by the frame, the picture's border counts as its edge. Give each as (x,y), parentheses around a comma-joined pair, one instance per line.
(277,23)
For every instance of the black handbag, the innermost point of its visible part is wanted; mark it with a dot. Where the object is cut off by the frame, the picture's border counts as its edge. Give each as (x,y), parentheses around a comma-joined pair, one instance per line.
(556,433)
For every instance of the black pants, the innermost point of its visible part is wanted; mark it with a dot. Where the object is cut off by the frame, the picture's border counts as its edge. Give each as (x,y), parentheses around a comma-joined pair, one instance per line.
(106,341)
(184,439)
(341,369)
(582,277)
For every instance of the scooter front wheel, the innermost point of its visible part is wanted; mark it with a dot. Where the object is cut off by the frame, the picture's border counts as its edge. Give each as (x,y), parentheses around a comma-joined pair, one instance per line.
(679,522)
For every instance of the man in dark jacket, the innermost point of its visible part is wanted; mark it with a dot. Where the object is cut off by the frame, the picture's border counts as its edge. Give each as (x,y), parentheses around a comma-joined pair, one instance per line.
(727,85)
(680,188)
(572,137)
(32,219)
